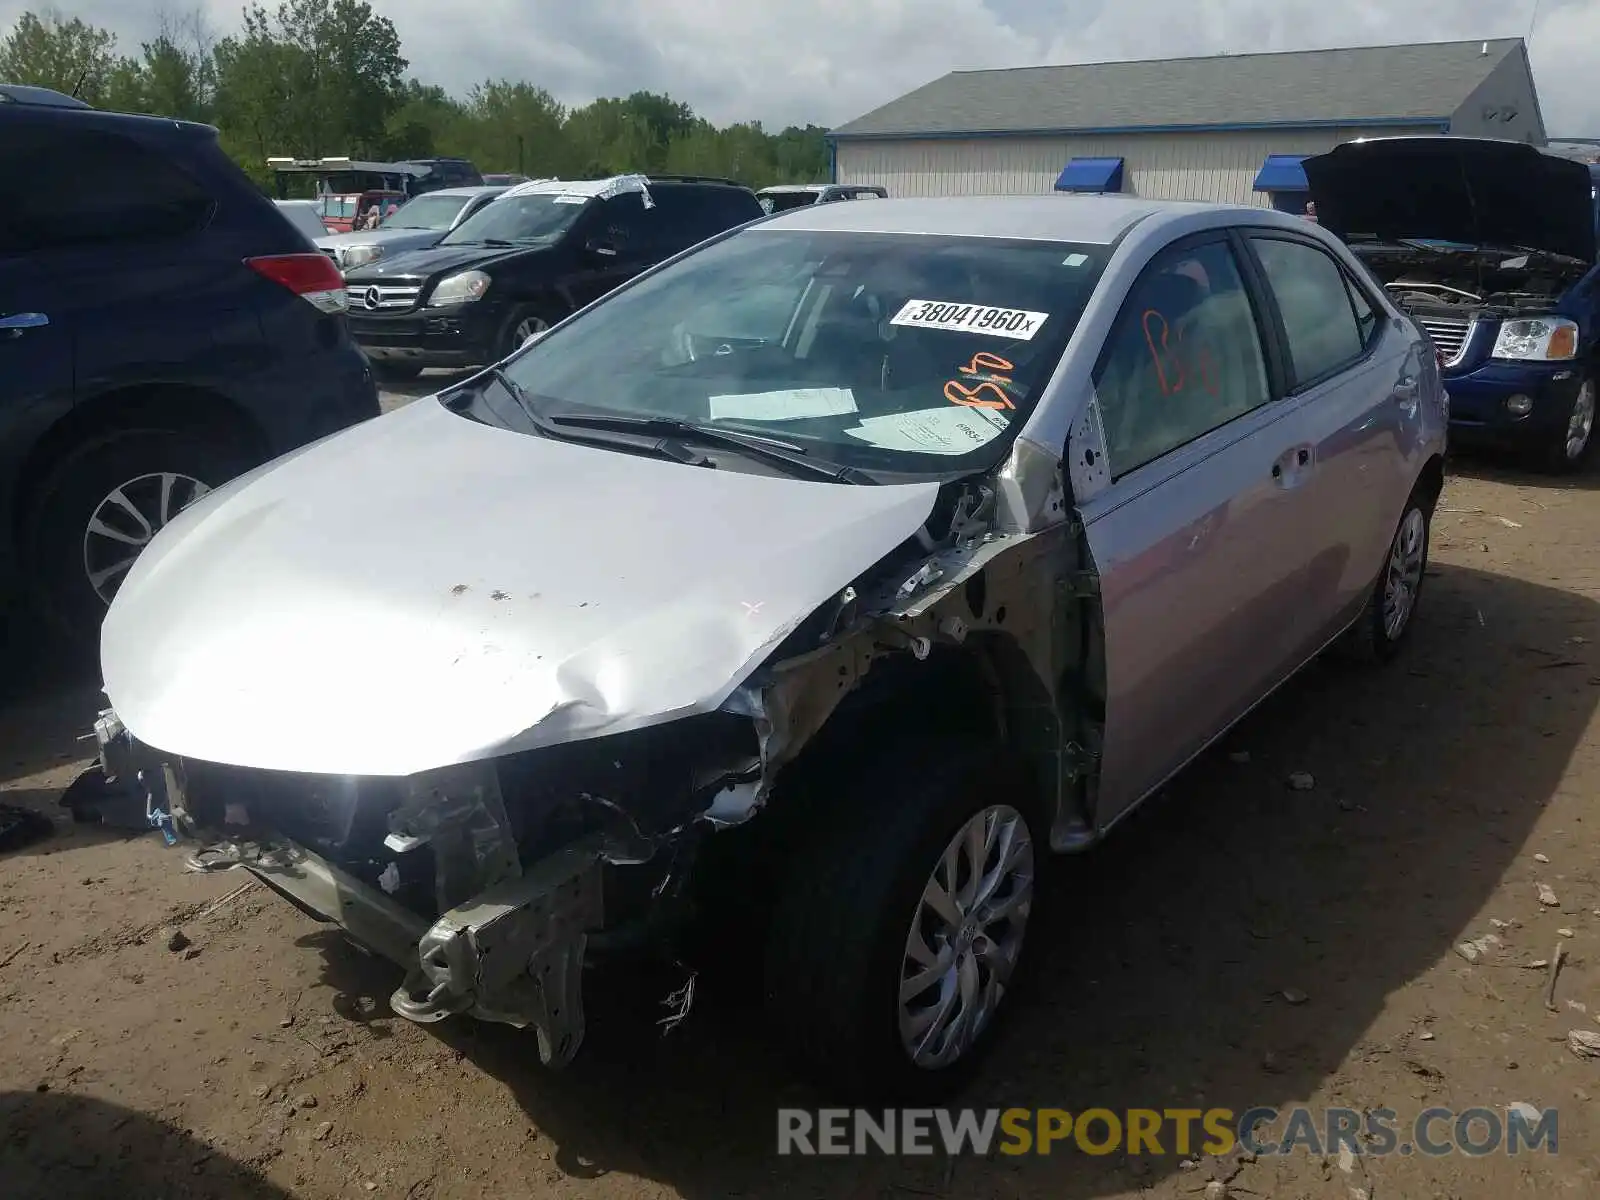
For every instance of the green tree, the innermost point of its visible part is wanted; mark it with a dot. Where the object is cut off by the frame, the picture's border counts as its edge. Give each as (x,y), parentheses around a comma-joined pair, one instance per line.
(426,122)
(311,78)
(47,49)
(319,77)
(515,126)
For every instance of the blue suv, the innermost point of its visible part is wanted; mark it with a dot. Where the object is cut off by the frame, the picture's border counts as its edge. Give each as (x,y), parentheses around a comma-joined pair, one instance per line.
(163,328)
(1491,247)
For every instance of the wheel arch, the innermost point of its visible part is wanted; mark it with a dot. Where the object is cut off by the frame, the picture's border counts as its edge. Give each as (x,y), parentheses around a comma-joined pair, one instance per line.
(169,406)
(1430,481)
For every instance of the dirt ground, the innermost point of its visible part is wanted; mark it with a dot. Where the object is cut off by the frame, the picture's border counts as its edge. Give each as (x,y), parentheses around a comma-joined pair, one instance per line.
(263,1061)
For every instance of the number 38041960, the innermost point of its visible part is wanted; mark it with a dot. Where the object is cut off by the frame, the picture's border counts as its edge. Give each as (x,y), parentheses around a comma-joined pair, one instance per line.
(1015,323)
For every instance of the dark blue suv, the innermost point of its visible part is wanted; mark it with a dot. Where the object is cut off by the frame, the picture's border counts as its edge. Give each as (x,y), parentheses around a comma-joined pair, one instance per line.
(1491,247)
(163,328)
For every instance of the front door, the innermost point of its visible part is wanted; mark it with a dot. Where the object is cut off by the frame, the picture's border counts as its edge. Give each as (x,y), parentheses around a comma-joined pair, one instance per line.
(1196,539)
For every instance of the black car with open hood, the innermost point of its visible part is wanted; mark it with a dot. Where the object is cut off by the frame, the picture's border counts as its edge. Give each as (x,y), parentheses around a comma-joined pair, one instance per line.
(1490,246)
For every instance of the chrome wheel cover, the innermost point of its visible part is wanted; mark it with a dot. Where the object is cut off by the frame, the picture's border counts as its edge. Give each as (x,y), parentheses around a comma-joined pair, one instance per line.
(124,522)
(527,329)
(1403,575)
(966,937)
(1581,424)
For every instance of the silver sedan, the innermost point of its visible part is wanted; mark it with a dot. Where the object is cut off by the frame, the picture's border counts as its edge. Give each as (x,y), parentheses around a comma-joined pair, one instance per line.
(830,579)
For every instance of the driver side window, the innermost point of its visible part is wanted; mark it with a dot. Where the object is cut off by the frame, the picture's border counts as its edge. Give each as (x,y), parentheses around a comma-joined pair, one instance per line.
(1183,358)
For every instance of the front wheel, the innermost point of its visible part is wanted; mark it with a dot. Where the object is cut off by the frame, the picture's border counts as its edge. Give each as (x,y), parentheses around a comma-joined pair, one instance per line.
(521,327)
(1575,443)
(898,940)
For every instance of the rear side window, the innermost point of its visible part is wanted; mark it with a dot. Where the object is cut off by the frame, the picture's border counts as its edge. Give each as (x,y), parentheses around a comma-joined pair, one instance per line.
(1319,317)
(691,215)
(82,187)
(627,226)
(1183,358)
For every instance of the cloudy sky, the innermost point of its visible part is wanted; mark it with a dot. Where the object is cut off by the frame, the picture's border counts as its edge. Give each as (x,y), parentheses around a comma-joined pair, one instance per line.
(827,61)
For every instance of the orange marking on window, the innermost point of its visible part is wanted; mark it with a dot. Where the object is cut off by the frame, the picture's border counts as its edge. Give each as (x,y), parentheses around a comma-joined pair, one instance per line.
(974,396)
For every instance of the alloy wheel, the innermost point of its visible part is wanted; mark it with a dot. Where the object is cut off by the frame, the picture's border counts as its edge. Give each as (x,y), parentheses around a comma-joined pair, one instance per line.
(1404,573)
(527,329)
(124,522)
(1581,424)
(966,937)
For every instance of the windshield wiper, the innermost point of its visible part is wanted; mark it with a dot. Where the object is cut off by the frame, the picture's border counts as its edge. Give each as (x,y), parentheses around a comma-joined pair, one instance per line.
(773,450)
(662,447)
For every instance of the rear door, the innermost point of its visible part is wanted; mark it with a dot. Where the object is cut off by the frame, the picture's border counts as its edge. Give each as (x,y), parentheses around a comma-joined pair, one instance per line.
(1357,392)
(1198,537)
(38,309)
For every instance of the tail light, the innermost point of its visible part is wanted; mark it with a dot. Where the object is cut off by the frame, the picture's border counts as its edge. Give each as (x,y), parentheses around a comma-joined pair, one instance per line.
(312,277)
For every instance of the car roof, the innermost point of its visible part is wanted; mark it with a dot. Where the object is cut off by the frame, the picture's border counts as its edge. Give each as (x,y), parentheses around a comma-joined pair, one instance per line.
(1095,220)
(468,192)
(797,187)
(22,93)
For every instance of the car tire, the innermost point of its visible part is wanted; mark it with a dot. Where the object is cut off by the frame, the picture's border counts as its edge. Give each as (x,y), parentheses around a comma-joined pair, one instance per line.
(1377,637)
(1575,444)
(523,321)
(839,941)
(62,549)
(394,372)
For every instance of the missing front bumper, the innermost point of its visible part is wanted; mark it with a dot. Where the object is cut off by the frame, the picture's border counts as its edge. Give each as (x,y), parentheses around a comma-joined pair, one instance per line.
(513,953)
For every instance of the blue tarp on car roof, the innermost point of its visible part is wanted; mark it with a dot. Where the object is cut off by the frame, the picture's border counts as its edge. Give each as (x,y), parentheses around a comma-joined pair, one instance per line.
(1282,173)
(1091,175)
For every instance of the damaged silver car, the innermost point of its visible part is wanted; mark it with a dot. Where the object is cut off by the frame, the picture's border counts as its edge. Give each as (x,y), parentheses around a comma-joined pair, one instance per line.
(837,575)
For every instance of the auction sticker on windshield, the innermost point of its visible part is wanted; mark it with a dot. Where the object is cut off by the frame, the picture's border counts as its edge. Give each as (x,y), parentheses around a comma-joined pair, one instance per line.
(1016,323)
(932,430)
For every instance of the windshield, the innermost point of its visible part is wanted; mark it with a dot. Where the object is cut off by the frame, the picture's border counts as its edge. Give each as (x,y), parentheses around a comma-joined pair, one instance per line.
(426,212)
(340,206)
(541,216)
(895,352)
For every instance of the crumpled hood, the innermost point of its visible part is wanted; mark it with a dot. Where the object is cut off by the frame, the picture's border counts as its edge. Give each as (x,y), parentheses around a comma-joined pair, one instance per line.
(1452,189)
(422,590)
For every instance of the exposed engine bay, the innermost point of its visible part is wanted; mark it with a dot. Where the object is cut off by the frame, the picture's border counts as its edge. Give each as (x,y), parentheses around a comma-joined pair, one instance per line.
(1464,282)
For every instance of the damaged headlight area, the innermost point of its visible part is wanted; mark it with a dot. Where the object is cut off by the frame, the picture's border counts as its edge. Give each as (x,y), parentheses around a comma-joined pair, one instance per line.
(491,882)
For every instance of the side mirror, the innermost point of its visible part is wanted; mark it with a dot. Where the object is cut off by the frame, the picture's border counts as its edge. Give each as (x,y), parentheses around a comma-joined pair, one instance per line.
(600,247)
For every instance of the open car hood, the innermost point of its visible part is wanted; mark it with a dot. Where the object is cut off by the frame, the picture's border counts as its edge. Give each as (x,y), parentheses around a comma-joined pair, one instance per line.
(1470,190)
(422,590)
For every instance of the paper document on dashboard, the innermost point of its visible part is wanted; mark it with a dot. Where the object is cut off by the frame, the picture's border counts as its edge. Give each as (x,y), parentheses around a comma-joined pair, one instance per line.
(956,429)
(790,404)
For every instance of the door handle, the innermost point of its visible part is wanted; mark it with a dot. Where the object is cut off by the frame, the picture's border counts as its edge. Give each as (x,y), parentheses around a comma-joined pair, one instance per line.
(17,323)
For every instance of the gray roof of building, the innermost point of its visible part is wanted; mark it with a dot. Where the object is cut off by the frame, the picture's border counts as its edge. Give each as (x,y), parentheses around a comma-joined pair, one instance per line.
(1358,85)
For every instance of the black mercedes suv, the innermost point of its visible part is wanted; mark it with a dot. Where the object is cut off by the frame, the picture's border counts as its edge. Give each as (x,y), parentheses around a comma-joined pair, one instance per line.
(163,328)
(541,251)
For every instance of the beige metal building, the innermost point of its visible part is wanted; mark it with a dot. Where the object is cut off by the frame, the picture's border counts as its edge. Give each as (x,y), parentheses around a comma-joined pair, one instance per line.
(1230,128)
